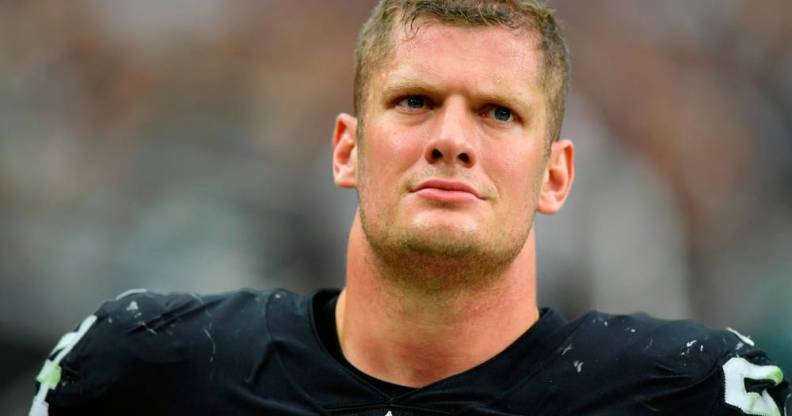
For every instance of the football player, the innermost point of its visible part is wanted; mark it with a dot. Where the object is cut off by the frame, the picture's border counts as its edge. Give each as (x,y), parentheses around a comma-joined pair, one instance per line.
(453,148)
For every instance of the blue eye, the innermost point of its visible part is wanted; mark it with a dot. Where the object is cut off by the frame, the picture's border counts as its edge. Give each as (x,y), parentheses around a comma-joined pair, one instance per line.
(414,101)
(502,114)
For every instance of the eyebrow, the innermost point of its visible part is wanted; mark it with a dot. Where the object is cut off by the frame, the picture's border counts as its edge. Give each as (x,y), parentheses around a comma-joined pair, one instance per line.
(407,86)
(416,86)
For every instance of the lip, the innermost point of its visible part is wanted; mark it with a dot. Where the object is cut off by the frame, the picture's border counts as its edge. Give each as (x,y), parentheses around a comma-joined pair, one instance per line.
(445,189)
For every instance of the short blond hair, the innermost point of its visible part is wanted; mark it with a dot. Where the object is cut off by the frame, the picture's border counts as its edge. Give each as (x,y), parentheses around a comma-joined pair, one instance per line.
(374,41)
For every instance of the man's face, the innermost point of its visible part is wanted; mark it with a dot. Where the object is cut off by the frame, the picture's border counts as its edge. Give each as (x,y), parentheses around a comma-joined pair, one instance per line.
(451,151)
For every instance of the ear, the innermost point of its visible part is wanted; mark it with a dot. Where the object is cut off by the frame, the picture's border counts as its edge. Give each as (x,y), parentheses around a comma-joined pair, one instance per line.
(558,177)
(345,151)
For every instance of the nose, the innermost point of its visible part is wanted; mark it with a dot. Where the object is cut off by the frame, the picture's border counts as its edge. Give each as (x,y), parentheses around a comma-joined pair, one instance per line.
(451,140)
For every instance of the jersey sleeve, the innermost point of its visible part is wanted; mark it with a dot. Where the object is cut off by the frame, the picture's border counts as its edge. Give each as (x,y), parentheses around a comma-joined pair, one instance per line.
(750,382)
(687,368)
(98,365)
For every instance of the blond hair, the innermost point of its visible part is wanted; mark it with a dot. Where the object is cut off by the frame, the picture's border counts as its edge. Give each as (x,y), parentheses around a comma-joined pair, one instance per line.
(374,41)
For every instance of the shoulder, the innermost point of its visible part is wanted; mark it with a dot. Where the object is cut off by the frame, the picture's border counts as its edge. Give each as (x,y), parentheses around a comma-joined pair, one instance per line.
(140,332)
(684,365)
(682,345)
(153,327)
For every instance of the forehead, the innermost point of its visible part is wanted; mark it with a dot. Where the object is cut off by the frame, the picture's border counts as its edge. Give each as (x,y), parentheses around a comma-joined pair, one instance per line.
(493,58)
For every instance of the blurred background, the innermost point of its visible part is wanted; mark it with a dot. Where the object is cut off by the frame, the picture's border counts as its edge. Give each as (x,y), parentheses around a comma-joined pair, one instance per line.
(185,146)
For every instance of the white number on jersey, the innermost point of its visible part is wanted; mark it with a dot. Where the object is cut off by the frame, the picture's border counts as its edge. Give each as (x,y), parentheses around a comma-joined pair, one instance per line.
(737,370)
(50,374)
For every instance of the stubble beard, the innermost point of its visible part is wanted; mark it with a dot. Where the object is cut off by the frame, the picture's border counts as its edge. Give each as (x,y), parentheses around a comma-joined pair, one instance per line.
(430,262)
(433,265)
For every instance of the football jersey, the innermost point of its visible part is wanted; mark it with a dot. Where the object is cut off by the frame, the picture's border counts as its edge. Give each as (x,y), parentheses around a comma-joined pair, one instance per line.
(265,353)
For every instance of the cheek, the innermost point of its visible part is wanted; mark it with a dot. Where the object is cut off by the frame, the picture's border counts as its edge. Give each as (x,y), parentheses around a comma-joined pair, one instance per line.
(380,170)
(517,175)
(399,144)
(389,153)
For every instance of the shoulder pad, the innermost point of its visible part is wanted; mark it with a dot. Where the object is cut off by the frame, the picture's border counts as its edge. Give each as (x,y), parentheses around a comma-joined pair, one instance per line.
(129,336)
(752,384)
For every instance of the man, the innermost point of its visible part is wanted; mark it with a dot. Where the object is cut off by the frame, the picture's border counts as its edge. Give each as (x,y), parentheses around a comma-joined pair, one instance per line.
(453,149)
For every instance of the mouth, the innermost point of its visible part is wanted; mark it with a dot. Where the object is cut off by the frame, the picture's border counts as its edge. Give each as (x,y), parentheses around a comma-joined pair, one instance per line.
(445,190)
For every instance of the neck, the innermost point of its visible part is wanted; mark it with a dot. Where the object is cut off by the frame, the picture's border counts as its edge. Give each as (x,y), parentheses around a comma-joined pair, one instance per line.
(416,337)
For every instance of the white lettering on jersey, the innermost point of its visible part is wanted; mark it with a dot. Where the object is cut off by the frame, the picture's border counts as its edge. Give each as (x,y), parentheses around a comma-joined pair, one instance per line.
(50,374)
(737,370)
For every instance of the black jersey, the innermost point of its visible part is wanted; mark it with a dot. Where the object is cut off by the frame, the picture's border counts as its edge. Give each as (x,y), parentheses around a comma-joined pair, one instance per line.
(261,353)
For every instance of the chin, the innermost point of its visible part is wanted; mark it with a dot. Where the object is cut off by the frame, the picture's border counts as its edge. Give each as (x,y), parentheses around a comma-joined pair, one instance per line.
(441,240)
(432,237)
(439,245)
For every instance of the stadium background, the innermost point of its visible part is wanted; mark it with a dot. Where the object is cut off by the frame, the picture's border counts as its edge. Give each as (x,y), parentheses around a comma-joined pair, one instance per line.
(185,145)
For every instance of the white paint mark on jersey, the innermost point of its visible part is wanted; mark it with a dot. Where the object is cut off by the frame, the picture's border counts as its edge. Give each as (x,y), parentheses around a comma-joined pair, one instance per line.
(130,292)
(649,344)
(148,328)
(134,309)
(214,347)
(566,349)
(578,366)
(742,337)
